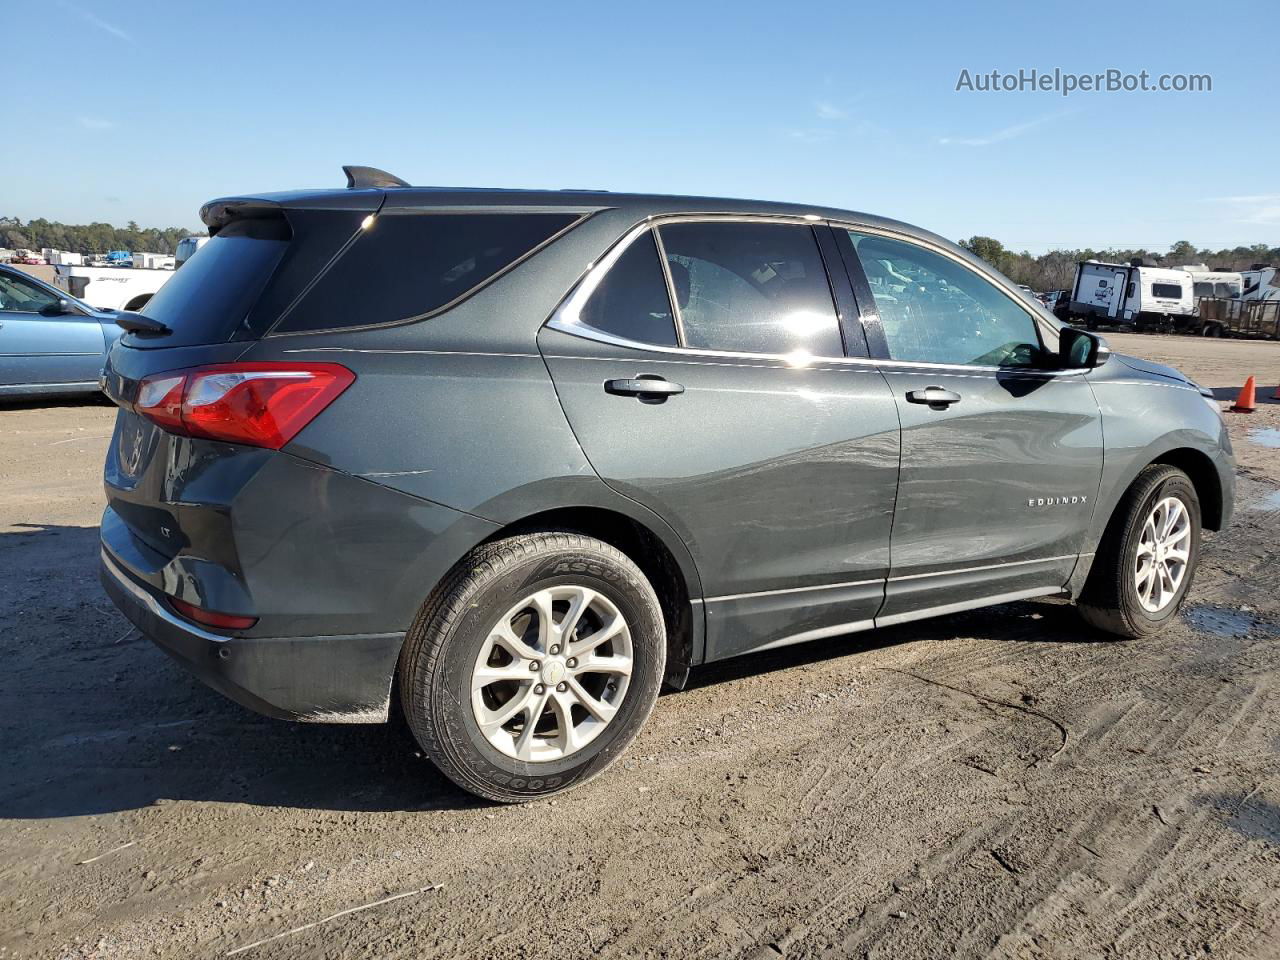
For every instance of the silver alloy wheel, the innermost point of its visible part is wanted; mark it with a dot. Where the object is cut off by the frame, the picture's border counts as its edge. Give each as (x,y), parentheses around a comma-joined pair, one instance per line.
(1164,550)
(552,673)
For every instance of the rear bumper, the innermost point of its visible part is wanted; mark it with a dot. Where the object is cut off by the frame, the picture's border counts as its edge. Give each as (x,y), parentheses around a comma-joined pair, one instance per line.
(328,679)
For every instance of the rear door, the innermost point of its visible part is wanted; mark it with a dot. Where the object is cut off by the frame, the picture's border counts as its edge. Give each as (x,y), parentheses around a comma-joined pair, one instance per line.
(1001,454)
(39,349)
(1118,293)
(732,411)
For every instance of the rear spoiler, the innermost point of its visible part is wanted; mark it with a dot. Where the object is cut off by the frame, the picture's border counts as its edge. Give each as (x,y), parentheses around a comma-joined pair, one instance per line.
(216,214)
(140,324)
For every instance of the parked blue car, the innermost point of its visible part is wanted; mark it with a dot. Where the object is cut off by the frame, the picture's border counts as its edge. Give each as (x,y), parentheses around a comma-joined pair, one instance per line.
(50,342)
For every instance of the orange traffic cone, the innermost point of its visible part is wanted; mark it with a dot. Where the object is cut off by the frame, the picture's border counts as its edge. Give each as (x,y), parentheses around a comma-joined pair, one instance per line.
(1244,403)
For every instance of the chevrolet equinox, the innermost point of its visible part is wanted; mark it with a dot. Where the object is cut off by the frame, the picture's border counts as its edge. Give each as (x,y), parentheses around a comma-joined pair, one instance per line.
(507,461)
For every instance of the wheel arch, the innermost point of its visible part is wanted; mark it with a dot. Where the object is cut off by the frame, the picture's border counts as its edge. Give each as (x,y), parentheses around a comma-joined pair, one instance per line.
(1194,462)
(671,571)
(1204,477)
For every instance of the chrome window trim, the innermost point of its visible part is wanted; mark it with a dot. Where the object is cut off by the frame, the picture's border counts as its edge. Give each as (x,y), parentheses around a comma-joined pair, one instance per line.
(567,318)
(673,300)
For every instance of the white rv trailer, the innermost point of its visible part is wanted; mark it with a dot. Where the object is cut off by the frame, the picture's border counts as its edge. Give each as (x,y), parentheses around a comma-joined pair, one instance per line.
(186,247)
(1261,282)
(111,288)
(153,261)
(1132,294)
(1222,284)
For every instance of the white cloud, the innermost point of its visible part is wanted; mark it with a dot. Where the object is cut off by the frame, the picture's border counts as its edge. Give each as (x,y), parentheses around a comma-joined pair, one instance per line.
(1248,198)
(829,111)
(1008,133)
(1269,214)
(809,136)
(1263,208)
(95,123)
(97,21)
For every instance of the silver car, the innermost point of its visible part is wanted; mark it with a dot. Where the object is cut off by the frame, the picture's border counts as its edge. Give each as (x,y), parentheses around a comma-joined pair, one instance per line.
(50,342)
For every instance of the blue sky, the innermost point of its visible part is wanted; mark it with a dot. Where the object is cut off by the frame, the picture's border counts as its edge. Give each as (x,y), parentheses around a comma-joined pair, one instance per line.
(142,111)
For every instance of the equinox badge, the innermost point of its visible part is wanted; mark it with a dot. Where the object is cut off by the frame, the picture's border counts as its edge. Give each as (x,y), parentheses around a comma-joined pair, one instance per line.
(1055,501)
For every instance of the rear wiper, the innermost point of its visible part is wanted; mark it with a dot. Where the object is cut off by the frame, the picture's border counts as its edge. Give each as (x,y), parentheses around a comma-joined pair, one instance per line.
(137,323)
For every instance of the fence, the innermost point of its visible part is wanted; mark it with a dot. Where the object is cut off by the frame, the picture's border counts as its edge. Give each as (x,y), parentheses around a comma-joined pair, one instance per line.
(1245,318)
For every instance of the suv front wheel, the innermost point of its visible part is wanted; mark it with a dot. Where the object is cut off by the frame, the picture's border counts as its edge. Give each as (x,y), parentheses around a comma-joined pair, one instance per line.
(1148,555)
(533,665)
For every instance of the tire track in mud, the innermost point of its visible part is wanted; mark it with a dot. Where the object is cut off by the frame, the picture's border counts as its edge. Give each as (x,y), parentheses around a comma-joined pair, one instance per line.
(1199,865)
(841,893)
(770,888)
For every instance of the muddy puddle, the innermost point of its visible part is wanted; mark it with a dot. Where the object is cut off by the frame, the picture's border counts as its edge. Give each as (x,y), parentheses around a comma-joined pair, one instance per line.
(1265,436)
(1224,621)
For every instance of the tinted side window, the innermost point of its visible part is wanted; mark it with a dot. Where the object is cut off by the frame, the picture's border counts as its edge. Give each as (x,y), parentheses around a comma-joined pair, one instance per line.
(409,264)
(19,296)
(1172,290)
(936,311)
(207,299)
(632,300)
(752,288)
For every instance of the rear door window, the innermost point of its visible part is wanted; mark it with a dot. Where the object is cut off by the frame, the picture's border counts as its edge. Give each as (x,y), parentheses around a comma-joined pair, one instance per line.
(751,288)
(631,301)
(409,264)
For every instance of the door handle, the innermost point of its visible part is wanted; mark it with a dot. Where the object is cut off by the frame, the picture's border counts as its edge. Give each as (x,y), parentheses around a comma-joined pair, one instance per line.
(936,397)
(646,387)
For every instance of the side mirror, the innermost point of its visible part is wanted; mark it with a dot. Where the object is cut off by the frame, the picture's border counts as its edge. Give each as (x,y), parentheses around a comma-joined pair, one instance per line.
(1081,350)
(56,309)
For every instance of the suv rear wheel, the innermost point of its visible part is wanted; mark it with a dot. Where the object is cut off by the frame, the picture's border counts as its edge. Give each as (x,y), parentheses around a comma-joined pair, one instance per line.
(533,665)
(1148,555)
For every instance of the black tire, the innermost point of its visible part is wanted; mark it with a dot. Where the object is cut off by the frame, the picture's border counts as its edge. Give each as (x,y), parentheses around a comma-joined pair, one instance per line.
(442,646)
(1109,600)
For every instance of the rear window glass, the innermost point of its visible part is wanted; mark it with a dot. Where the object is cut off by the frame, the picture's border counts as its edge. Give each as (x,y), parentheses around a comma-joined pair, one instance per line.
(1170,290)
(411,264)
(208,298)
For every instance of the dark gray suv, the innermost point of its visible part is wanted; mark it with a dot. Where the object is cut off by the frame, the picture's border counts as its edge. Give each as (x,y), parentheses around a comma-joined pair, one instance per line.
(512,459)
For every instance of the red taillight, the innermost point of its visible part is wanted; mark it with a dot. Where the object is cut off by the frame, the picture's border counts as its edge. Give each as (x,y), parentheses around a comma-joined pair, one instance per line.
(210,618)
(259,404)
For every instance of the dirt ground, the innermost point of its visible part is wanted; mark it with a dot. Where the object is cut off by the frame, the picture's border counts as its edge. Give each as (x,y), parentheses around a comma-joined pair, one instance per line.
(1003,783)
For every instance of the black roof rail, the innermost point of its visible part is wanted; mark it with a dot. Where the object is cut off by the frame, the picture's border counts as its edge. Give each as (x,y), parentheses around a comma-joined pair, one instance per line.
(361,178)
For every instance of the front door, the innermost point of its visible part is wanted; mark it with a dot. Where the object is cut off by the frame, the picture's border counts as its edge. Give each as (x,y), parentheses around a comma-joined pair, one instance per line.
(736,417)
(1001,454)
(40,349)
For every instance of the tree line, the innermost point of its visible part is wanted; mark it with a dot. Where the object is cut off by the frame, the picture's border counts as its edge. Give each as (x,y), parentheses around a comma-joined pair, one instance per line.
(89,238)
(1056,270)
